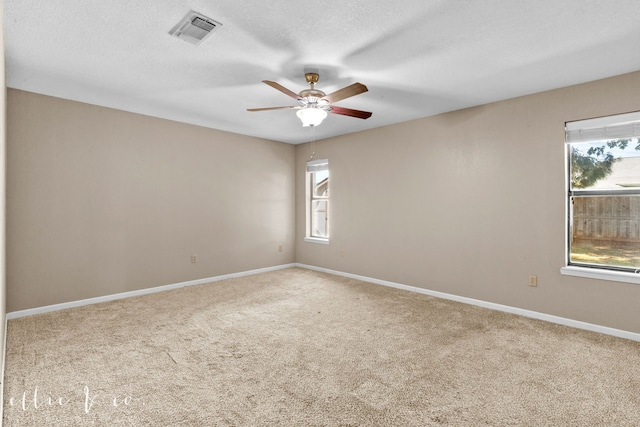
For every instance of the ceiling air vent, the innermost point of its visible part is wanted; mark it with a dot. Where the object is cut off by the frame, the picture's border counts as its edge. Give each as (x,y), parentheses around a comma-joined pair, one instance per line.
(194,28)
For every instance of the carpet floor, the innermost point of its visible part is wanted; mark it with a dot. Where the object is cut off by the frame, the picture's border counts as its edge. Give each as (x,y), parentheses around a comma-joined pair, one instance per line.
(297,347)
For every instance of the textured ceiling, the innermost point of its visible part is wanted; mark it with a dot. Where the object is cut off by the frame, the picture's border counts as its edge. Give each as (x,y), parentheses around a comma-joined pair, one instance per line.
(417,57)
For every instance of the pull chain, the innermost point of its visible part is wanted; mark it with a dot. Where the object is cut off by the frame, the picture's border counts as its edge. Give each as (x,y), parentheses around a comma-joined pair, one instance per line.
(313,143)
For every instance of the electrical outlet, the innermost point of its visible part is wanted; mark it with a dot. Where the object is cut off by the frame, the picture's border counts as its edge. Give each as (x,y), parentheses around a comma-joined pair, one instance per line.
(194,258)
(533,281)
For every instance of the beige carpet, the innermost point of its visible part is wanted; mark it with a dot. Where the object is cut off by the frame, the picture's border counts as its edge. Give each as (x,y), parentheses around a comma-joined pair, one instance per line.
(301,348)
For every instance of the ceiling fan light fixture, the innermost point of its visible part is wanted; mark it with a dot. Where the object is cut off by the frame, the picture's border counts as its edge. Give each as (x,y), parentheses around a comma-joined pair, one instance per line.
(311,116)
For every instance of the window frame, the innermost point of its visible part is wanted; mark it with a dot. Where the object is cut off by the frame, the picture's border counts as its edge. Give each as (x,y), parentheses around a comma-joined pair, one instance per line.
(573,136)
(313,167)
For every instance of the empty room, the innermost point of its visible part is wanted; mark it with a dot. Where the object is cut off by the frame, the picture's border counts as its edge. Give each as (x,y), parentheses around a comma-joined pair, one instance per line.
(281,213)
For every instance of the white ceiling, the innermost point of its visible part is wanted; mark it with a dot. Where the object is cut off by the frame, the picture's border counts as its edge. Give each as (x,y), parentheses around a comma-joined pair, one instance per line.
(417,57)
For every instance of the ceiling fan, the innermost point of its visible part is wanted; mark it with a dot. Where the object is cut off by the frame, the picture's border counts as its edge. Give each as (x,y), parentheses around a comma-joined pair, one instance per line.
(313,104)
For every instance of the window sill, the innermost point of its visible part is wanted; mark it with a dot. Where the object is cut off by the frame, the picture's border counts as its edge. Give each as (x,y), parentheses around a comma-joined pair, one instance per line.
(594,273)
(317,240)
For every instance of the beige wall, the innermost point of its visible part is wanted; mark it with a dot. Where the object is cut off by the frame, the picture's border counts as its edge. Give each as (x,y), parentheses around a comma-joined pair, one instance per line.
(469,203)
(101,201)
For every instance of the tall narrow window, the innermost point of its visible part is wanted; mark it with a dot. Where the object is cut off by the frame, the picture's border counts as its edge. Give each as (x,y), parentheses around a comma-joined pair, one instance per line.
(604,192)
(318,200)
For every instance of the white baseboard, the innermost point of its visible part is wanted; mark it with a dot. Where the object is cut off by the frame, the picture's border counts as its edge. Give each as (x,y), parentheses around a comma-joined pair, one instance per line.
(97,300)
(499,307)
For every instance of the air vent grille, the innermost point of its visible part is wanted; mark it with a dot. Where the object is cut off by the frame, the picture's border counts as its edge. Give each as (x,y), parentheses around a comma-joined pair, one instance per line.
(203,24)
(194,28)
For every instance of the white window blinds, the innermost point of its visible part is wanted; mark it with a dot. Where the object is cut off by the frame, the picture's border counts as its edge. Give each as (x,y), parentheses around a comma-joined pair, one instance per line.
(620,126)
(317,165)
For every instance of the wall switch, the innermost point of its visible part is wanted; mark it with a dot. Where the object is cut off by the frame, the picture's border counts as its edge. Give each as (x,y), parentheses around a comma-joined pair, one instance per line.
(280,248)
(194,258)
(533,281)
(341,252)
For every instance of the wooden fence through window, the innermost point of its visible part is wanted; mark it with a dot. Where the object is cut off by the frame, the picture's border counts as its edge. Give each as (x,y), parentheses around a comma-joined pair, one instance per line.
(607,218)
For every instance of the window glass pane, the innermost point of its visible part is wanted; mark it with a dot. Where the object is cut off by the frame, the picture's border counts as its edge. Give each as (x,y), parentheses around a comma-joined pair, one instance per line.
(320,183)
(605,203)
(605,165)
(319,224)
(604,196)
(605,230)
(318,199)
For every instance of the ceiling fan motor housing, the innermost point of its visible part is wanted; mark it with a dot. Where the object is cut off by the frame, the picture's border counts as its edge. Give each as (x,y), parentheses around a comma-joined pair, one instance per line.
(312,95)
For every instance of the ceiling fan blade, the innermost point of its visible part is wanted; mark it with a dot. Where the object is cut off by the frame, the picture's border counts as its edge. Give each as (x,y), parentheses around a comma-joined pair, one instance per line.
(271,108)
(346,92)
(350,112)
(282,89)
